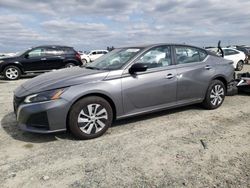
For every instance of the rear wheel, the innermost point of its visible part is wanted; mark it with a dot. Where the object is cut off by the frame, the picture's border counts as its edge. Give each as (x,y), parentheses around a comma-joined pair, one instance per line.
(12,73)
(215,95)
(90,117)
(69,65)
(239,66)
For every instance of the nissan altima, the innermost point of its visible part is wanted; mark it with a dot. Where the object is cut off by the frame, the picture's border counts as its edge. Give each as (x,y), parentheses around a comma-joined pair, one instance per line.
(125,82)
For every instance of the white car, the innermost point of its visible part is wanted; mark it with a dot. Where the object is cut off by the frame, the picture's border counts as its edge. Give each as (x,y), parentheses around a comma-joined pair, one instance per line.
(92,55)
(84,57)
(236,56)
(95,54)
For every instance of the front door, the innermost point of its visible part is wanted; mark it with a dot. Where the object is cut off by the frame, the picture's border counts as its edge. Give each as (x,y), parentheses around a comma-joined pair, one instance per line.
(34,60)
(154,88)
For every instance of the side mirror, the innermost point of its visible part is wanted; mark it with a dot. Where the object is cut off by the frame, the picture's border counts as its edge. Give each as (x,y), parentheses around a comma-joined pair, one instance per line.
(26,56)
(138,67)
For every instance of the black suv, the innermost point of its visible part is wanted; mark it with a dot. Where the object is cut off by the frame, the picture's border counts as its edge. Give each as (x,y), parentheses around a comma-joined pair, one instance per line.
(39,59)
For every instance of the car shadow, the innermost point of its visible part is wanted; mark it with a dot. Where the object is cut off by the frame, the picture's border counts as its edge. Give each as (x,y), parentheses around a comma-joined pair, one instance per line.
(10,126)
(156,114)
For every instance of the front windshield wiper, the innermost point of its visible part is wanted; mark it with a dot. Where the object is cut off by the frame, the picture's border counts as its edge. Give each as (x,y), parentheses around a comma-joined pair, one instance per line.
(94,68)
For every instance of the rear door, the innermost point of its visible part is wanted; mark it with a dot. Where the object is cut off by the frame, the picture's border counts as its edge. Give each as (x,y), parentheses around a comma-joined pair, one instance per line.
(231,55)
(54,58)
(193,73)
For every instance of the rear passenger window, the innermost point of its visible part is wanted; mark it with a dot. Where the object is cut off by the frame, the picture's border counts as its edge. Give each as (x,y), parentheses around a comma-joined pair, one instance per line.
(53,52)
(186,55)
(230,52)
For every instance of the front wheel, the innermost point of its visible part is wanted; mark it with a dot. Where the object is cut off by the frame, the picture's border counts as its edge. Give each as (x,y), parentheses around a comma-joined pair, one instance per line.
(84,62)
(90,117)
(12,73)
(215,95)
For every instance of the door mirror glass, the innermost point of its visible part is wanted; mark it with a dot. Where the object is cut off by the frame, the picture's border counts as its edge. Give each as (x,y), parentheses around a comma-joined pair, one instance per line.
(138,67)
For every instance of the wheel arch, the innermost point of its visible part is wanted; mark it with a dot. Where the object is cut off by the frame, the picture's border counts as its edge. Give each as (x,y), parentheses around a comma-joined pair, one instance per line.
(104,96)
(77,63)
(222,79)
(18,65)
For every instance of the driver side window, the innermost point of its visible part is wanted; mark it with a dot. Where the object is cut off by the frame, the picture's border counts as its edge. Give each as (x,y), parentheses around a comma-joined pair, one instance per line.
(157,57)
(38,52)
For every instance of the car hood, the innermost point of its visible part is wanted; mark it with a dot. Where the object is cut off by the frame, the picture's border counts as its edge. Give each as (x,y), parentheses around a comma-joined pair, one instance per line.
(9,58)
(59,79)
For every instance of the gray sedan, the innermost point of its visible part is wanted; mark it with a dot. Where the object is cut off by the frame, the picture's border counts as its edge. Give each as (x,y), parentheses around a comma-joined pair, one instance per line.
(125,82)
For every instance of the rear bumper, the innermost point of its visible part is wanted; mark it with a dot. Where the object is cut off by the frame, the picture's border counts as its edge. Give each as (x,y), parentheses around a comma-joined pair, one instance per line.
(44,117)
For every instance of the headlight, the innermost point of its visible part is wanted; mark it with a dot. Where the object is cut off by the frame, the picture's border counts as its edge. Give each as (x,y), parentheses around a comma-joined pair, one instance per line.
(45,96)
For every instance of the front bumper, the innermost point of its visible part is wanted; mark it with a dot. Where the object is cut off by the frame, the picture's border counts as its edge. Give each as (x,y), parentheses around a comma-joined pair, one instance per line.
(43,117)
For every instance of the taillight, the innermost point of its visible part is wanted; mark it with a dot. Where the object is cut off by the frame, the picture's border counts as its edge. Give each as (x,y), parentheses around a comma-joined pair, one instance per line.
(78,56)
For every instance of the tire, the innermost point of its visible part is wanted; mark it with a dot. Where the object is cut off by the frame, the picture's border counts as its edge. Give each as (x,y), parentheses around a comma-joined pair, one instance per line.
(12,73)
(69,65)
(217,90)
(83,124)
(239,66)
(84,62)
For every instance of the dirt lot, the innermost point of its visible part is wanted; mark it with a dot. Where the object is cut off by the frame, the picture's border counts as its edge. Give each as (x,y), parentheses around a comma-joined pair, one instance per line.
(157,150)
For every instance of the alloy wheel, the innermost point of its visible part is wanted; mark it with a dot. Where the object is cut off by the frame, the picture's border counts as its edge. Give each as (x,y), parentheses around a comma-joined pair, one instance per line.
(217,95)
(92,118)
(11,73)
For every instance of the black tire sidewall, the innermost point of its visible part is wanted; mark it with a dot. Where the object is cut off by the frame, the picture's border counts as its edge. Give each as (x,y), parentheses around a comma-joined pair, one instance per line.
(241,67)
(207,101)
(68,65)
(78,106)
(15,67)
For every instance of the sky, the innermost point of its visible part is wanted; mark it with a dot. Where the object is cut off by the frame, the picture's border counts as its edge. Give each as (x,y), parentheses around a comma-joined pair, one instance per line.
(96,24)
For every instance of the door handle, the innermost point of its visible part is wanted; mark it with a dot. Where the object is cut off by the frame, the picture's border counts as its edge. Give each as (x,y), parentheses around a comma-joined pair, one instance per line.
(169,76)
(208,67)
(43,59)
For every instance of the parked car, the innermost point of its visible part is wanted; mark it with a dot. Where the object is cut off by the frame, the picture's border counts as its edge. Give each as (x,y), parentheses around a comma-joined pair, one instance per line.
(246,50)
(92,55)
(236,56)
(86,100)
(84,57)
(39,59)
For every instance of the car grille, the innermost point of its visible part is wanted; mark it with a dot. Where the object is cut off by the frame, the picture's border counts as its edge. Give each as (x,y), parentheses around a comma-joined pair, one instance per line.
(16,102)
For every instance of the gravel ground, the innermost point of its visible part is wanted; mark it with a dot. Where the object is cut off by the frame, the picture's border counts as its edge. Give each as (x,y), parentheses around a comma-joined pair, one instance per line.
(157,150)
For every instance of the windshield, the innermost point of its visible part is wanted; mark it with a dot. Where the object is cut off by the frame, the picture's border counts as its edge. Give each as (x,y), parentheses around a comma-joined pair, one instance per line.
(115,59)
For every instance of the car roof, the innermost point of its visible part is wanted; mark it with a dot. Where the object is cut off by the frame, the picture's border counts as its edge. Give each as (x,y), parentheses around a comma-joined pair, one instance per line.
(161,44)
(229,49)
(52,46)
(98,50)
